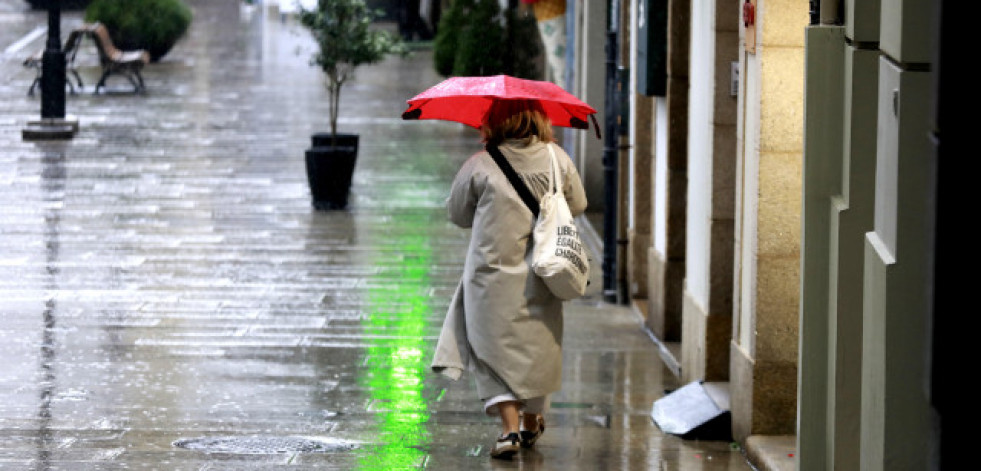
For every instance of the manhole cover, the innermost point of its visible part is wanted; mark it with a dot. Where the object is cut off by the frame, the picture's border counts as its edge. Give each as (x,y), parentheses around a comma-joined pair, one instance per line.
(258,445)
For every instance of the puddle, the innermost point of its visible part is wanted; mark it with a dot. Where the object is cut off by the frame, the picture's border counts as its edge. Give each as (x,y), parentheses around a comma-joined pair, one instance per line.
(261,445)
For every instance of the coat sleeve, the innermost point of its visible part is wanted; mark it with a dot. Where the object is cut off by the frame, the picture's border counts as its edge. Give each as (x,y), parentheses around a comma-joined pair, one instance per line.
(462,202)
(575,194)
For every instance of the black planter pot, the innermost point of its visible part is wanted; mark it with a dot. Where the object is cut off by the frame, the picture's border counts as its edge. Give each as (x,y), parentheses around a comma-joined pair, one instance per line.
(330,168)
(65,4)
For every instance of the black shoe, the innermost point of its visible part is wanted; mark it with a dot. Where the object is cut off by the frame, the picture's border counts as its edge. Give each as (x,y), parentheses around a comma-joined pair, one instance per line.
(528,438)
(506,446)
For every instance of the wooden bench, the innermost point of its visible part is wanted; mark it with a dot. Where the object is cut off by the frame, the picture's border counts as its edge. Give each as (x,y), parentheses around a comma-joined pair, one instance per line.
(70,49)
(115,61)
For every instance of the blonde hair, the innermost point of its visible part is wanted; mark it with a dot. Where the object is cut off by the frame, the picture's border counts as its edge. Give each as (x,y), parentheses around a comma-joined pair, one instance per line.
(516,119)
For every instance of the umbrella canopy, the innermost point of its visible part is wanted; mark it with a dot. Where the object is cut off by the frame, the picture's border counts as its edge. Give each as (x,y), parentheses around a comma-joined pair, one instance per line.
(467,99)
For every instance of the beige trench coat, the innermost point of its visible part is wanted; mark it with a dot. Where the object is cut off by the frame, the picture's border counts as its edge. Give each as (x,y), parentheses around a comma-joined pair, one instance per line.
(503,324)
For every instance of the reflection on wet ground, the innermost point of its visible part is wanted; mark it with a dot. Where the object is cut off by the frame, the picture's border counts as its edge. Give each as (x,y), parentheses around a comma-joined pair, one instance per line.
(170,300)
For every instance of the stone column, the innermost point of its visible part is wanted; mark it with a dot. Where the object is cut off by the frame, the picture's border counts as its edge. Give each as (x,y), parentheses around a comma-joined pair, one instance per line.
(896,415)
(763,368)
(639,236)
(590,86)
(640,144)
(839,177)
(707,322)
(667,267)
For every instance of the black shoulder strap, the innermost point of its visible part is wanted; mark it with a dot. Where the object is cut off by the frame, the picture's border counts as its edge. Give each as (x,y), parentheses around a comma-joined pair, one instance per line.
(515,180)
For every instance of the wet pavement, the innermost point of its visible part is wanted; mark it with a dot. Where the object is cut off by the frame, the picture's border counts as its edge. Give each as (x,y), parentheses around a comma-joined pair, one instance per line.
(169,299)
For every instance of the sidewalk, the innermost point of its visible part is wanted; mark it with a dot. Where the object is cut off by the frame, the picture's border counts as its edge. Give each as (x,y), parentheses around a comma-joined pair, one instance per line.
(170,300)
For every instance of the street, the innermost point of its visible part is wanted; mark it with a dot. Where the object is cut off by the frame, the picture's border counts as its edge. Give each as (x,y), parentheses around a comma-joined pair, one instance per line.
(170,300)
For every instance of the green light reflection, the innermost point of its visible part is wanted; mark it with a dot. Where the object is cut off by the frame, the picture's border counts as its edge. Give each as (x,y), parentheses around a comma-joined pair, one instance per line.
(397,360)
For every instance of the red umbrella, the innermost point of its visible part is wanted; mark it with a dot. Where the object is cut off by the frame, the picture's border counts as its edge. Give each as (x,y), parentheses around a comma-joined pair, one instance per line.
(467,99)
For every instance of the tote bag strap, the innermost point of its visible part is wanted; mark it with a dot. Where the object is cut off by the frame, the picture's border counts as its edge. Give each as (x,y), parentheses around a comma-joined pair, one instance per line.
(515,180)
(556,174)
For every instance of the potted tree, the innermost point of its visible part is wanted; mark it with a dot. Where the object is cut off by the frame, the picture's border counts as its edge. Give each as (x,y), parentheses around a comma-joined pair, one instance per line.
(346,39)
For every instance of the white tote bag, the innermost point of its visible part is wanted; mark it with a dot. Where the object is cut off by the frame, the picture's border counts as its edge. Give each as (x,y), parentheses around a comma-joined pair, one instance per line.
(559,256)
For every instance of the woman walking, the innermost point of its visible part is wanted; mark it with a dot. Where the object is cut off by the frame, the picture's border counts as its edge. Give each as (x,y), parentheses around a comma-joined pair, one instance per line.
(503,324)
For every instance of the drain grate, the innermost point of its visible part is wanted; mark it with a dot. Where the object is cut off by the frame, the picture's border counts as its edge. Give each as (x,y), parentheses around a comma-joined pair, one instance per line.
(265,445)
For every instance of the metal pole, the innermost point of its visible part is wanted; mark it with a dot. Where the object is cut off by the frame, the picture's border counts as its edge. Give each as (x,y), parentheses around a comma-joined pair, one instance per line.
(831,12)
(610,163)
(53,67)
